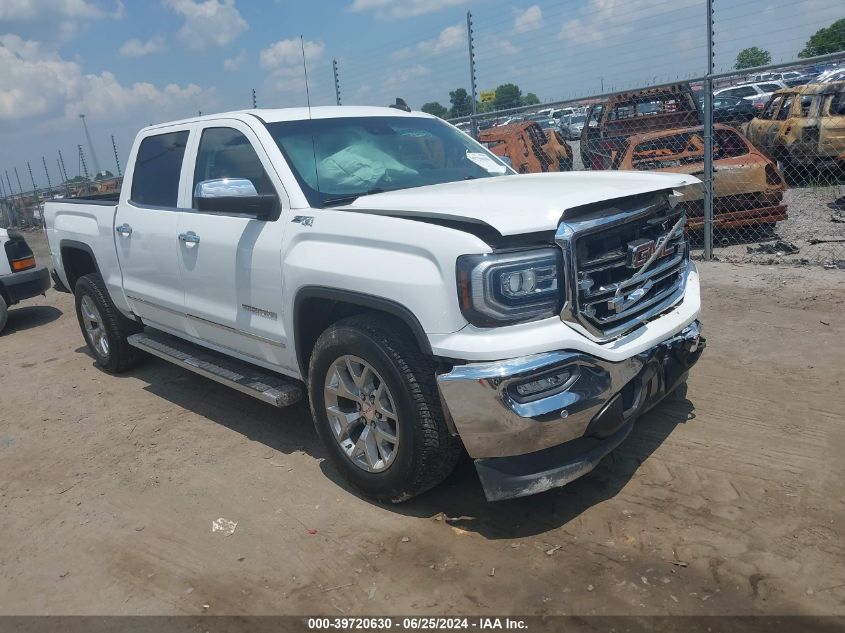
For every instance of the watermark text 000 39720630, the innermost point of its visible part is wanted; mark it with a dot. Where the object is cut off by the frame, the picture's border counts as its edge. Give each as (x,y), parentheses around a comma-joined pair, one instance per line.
(417,624)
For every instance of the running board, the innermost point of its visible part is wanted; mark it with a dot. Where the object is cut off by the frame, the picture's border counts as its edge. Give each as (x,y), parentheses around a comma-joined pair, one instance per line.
(249,379)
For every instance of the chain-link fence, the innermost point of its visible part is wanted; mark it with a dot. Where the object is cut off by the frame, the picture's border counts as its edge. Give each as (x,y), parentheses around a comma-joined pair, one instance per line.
(768,141)
(625,85)
(22,209)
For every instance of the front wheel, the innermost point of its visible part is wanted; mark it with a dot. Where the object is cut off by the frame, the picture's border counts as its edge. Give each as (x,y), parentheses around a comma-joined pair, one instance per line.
(376,409)
(105,329)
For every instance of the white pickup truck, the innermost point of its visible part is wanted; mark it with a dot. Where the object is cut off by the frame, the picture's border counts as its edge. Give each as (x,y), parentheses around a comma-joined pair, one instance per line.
(422,295)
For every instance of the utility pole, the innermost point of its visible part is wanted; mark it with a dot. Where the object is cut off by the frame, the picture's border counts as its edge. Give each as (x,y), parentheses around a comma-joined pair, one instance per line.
(7,215)
(94,160)
(116,159)
(83,168)
(708,139)
(336,82)
(32,180)
(13,206)
(62,166)
(18,178)
(47,173)
(473,121)
(18,211)
(67,186)
(254,100)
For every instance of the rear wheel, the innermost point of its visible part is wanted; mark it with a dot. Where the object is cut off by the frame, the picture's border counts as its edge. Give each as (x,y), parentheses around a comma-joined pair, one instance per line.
(105,329)
(375,406)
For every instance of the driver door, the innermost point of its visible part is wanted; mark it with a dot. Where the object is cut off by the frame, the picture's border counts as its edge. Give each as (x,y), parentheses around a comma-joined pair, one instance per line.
(230,260)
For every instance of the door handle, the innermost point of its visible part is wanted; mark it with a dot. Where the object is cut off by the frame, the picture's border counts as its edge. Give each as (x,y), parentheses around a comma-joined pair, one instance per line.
(124,230)
(189,239)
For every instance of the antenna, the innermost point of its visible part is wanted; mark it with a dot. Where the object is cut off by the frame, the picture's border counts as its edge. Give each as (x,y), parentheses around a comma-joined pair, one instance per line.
(305,69)
(308,98)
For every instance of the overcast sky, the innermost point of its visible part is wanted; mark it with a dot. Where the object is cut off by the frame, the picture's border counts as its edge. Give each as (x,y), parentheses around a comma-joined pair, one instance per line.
(128,63)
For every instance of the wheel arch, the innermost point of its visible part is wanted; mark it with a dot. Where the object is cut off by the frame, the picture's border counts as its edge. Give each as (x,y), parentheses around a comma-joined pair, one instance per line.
(315,308)
(78,259)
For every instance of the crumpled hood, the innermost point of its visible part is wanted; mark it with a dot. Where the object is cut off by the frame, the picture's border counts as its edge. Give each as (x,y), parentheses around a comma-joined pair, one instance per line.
(525,203)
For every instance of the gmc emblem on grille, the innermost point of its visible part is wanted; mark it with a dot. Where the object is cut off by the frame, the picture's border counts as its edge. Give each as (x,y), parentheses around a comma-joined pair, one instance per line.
(640,251)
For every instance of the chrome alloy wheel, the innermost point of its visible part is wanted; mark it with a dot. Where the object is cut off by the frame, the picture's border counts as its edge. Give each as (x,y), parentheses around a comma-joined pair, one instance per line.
(361,413)
(93,323)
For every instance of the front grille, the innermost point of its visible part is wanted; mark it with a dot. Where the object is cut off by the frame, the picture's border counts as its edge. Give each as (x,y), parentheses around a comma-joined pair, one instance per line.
(602,265)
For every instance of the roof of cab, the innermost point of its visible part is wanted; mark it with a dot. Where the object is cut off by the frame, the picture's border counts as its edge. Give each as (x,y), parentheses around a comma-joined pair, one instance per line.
(274,115)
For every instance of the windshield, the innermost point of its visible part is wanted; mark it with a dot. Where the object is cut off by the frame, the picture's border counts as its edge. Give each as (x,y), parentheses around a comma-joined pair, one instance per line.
(576,119)
(336,160)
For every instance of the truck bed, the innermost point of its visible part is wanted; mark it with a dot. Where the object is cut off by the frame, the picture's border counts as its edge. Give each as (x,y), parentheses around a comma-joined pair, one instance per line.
(87,224)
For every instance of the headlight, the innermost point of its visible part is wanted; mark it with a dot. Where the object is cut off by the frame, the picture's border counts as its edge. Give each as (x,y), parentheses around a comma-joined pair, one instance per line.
(503,288)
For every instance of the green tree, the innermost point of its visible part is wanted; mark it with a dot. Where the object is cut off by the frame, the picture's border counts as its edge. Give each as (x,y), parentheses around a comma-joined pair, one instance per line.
(826,40)
(461,103)
(508,96)
(433,107)
(750,57)
(530,99)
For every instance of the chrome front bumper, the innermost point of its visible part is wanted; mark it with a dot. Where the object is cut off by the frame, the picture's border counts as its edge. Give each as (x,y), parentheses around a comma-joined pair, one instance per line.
(595,403)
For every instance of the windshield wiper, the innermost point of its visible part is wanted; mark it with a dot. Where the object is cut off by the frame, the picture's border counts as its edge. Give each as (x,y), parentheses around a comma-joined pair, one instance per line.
(330,202)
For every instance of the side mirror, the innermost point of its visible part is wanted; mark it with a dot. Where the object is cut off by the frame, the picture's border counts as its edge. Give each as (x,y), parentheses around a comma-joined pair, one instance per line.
(235,196)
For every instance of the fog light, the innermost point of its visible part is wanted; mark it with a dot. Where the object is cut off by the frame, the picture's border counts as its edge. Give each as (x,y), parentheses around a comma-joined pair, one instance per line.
(540,385)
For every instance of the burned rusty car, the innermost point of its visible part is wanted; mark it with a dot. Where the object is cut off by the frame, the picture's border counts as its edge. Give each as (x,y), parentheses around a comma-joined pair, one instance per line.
(803,128)
(627,113)
(747,186)
(529,148)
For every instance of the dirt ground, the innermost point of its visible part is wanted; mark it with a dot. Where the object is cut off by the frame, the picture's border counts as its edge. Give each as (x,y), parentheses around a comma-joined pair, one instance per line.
(728,502)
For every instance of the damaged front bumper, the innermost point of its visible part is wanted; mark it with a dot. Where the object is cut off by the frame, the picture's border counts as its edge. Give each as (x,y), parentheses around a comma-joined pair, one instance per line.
(541,421)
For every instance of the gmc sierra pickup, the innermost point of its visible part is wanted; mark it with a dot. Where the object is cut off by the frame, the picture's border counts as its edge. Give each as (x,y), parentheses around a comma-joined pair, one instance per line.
(423,296)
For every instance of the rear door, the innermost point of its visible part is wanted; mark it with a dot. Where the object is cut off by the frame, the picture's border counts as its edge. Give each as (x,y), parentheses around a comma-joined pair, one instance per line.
(146,226)
(832,132)
(231,268)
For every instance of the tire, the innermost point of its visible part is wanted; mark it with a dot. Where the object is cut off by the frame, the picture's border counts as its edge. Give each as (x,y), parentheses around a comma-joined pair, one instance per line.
(4,313)
(105,329)
(425,452)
